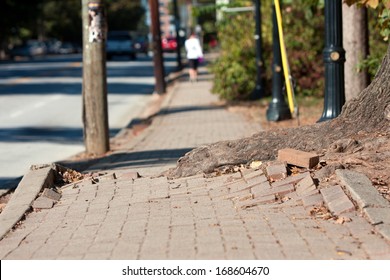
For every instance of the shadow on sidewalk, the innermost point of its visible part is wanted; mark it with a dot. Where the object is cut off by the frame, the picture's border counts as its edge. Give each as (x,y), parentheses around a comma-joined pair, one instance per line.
(126,160)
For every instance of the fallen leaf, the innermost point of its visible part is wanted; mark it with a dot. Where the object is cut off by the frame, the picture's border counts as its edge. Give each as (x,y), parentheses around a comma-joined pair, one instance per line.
(255,164)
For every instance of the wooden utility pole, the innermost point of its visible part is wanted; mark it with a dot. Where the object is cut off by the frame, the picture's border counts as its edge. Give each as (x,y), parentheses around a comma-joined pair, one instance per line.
(95,112)
(158,60)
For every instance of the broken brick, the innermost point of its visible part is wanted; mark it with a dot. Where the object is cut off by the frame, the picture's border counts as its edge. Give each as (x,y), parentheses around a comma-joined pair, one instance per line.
(298,158)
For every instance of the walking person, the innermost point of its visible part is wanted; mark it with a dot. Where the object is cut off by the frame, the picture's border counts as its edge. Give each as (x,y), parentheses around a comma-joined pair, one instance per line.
(194,54)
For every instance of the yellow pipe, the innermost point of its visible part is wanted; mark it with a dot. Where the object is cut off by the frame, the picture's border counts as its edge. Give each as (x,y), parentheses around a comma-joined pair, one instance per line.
(286,69)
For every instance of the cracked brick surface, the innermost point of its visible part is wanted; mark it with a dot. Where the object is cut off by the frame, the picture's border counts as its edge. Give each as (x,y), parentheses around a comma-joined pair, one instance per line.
(188,218)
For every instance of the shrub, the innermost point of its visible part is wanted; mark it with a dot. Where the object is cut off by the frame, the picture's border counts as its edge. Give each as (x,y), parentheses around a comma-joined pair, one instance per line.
(235,69)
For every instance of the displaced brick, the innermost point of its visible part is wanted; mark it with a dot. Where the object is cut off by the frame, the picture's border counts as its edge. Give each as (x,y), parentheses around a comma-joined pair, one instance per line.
(341,206)
(312,200)
(260,188)
(52,194)
(236,194)
(43,203)
(305,185)
(276,171)
(256,179)
(361,189)
(377,216)
(298,158)
(290,180)
(336,200)
(256,201)
(282,190)
(332,193)
(243,197)
(250,173)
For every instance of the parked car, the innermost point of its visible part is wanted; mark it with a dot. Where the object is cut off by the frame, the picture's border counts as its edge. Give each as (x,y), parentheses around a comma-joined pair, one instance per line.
(67,48)
(169,44)
(120,43)
(30,49)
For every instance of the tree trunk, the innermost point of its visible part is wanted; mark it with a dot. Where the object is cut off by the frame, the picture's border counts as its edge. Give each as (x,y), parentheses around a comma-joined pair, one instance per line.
(369,112)
(355,42)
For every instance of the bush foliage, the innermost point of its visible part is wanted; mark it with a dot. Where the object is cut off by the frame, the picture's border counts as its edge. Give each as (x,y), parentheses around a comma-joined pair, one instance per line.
(235,69)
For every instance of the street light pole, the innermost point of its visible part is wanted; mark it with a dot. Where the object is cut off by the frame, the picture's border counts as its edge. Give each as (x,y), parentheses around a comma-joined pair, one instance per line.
(277,109)
(334,58)
(258,92)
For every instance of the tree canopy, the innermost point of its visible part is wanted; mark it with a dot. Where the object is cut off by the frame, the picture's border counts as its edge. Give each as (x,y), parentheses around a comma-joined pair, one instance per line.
(42,19)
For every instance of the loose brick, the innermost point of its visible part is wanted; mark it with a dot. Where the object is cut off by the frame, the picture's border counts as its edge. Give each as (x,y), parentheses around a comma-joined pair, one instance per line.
(50,193)
(298,158)
(43,203)
(276,171)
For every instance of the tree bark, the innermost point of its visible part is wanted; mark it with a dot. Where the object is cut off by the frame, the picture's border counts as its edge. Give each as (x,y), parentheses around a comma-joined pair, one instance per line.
(355,42)
(367,113)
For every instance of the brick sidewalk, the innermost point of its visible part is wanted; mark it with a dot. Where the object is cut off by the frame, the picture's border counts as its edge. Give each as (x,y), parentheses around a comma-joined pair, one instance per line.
(187,218)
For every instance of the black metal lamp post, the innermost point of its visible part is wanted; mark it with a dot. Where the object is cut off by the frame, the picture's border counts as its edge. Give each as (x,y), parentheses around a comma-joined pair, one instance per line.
(334,58)
(277,109)
(258,92)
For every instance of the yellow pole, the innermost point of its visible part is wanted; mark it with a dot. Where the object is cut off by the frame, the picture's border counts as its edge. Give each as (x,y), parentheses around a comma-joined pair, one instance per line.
(286,69)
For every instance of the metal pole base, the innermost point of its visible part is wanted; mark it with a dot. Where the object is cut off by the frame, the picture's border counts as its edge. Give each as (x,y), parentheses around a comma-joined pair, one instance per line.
(278,112)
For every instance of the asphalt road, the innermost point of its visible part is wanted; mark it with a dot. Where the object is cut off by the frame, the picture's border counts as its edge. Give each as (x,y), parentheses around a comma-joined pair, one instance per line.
(40,107)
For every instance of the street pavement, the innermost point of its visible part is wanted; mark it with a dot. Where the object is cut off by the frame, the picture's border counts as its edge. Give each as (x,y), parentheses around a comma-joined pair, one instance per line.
(117,215)
(41,107)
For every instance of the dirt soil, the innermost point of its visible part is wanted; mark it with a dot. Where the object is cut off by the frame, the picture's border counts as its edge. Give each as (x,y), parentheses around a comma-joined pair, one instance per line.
(365,153)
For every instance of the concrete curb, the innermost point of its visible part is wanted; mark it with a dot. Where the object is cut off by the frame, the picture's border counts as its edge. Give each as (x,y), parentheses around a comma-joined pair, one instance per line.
(38,178)
(373,206)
